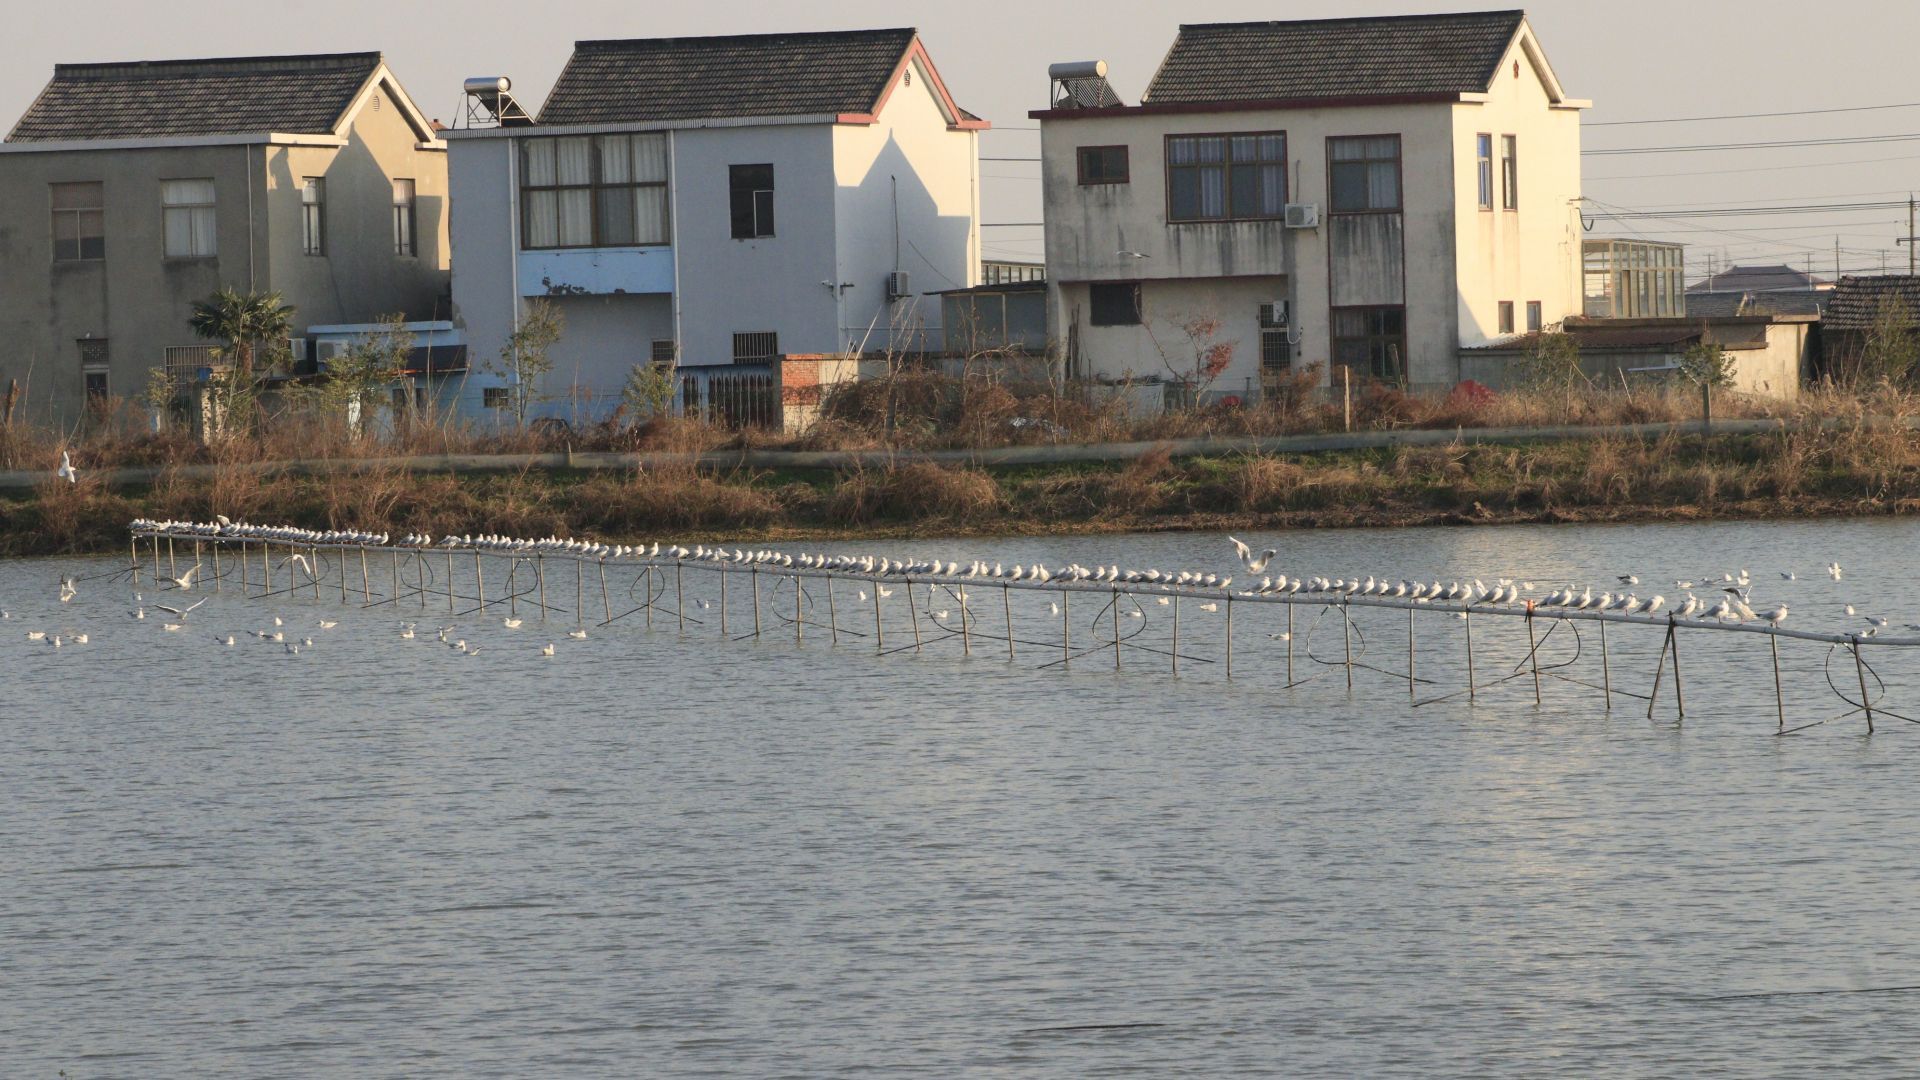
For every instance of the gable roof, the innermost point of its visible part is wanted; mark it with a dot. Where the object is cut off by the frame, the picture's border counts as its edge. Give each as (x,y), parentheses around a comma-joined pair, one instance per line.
(302,95)
(1760,279)
(1856,300)
(1334,58)
(709,78)
(1721,304)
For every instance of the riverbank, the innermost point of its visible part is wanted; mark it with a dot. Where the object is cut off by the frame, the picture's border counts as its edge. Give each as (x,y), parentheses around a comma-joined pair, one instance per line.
(1664,476)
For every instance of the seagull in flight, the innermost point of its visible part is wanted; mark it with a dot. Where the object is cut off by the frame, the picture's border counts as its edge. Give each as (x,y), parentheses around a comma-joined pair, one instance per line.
(1254,565)
(184,581)
(180,612)
(66,471)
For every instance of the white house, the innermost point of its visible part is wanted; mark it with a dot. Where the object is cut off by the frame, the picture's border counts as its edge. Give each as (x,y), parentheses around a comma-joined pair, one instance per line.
(1370,192)
(720,201)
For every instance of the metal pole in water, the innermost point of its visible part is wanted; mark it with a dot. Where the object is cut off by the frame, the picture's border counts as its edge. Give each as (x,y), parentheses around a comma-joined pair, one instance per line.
(1006,606)
(1346,631)
(513,575)
(579,604)
(449,581)
(879,642)
(395,553)
(1533,654)
(133,549)
(1289,643)
(266,568)
(649,596)
(1466,617)
(1606,668)
(913,615)
(755,576)
(798,620)
(216,567)
(479,577)
(723,601)
(1176,633)
(172,570)
(1066,630)
(606,603)
(366,583)
(422,590)
(1229,637)
(966,630)
(540,574)
(1779,699)
(1679,695)
(1116,629)
(833,615)
(1860,670)
(1661,668)
(680,593)
(1410,652)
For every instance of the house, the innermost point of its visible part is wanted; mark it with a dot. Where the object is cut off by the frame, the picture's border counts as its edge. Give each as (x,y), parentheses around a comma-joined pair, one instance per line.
(1771,354)
(128,191)
(1871,320)
(1759,280)
(720,202)
(1374,193)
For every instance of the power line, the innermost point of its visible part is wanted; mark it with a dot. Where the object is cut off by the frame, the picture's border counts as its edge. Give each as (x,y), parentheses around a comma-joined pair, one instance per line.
(1777,144)
(1760,168)
(1754,116)
(1748,211)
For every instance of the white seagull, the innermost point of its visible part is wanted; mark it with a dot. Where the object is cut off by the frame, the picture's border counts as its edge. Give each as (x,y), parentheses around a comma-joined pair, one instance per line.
(66,470)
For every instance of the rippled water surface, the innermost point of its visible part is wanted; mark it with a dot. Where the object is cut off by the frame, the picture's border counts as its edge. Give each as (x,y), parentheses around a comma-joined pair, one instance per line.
(665,853)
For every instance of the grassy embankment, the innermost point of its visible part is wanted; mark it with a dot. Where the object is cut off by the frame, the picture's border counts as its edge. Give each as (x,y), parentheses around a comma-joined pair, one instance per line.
(1860,466)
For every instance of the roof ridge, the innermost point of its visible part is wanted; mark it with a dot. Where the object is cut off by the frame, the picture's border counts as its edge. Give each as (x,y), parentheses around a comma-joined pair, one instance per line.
(686,39)
(1515,12)
(125,66)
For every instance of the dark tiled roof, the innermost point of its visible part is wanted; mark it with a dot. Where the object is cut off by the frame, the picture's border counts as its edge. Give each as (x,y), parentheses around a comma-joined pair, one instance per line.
(1758,279)
(302,95)
(1797,302)
(703,78)
(1857,299)
(1373,57)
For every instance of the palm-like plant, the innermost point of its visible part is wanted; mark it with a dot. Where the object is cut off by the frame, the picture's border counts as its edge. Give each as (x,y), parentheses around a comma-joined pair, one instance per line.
(244,321)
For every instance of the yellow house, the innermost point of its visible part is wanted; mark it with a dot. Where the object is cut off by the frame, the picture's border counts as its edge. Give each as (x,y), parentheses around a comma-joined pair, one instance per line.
(130,190)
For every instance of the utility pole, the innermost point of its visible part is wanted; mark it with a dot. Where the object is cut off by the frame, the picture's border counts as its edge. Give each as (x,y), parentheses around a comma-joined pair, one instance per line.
(1912,238)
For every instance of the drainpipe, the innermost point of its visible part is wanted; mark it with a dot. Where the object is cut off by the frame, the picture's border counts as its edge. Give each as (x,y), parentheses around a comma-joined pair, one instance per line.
(246,158)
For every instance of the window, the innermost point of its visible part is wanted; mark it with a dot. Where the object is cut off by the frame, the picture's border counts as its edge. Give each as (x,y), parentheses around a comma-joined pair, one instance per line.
(1103,165)
(1115,304)
(313,216)
(1506,317)
(96,386)
(1483,153)
(496,397)
(757,347)
(1533,316)
(187,364)
(664,351)
(93,368)
(1372,341)
(186,211)
(593,191)
(1364,173)
(79,221)
(751,190)
(1510,172)
(1226,177)
(1276,352)
(406,237)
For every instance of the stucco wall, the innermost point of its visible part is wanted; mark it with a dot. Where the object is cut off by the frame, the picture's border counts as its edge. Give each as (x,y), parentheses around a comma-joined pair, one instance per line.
(1161,347)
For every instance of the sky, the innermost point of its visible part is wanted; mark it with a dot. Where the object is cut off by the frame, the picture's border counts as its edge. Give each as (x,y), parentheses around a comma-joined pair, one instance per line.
(1635,59)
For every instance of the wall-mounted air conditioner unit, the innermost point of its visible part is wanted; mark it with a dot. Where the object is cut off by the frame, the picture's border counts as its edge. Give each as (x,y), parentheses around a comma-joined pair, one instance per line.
(1303,215)
(325,352)
(298,348)
(1276,315)
(899,285)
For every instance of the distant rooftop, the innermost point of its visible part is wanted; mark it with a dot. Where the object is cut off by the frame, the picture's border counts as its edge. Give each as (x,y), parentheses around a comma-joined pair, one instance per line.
(1856,301)
(1759,279)
(1314,58)
(1719,304)
(706,78)
(300,95)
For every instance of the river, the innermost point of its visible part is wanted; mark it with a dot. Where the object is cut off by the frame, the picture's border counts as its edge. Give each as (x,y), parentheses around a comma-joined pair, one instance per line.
(666,853)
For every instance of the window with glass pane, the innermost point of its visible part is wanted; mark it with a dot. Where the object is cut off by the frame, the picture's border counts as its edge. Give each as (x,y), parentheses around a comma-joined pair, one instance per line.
(79,221)
(750,191)
(1483,151)
(556,185)
(313,216)
(186,211)
(1534,323)
(1114,303)
(1103,165)
(1372,341)
(406,237)
(630,205)
(1227,177)
(1364,173)
(1506,317)
(1510,172)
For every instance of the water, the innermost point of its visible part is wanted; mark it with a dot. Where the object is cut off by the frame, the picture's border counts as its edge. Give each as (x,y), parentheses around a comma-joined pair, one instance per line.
(666,855)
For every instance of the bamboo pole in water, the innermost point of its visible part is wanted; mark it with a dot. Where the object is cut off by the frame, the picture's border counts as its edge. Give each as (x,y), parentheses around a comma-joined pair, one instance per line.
(913,615)
(133,549)
(1533,655)
(1466,618)
(724,573)
(679,593)
(833,615)
(480,581)
(799,619)
(1066,630)
(606,602)
(1346,631)
(1660,668)
(1860,670)
(366,583)
(1606,668)
(1006,607)
(1229,637)
(966,638)
(449,581)
(879,641)
(216,568)
(1116,629)
(1176,634)
(579,595)
(540,575)
(1679,693)
(754,576)
(1410,694)
(1779,698)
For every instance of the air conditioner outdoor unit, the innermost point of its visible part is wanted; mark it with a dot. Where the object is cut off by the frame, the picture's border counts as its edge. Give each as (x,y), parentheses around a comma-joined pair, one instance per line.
(899,285)
(298,347)
(324,351)
(1303,215)
(1276,314)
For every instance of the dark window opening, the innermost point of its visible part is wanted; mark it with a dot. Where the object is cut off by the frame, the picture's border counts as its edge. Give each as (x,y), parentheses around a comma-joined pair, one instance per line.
(1533,316)
(1276,352)
(1372,341)
(1227,177)
(406,240)
(1506,317)
(750,189)
(496,397)
(664,351)
(1104,165)
(756,347)
(1364,173)
(313,216)
(1114,304)
(1510,172)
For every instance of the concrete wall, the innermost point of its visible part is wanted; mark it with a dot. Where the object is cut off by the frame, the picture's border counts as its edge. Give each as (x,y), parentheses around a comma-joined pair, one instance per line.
(1528,254)
(907,199)
(136,297)
(485,248)
(1161,347)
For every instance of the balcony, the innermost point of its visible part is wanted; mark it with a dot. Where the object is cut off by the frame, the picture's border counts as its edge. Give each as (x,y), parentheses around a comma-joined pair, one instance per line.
(596,271)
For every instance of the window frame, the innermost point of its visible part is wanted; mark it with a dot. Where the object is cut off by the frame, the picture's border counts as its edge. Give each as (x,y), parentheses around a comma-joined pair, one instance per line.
(760,200)
(594,187)
(1483,168)
(1226,165)
(1335,339)
(406,223)
(1095,307)
(193,211)
(1503,317)
(1125,176)
(313,216)
(1535,317)
(79,215)
(1510,172)
(1399,172)
(771,338)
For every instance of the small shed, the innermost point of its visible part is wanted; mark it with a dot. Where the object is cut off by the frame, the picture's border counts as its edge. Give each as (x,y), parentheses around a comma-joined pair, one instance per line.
(1771,353)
